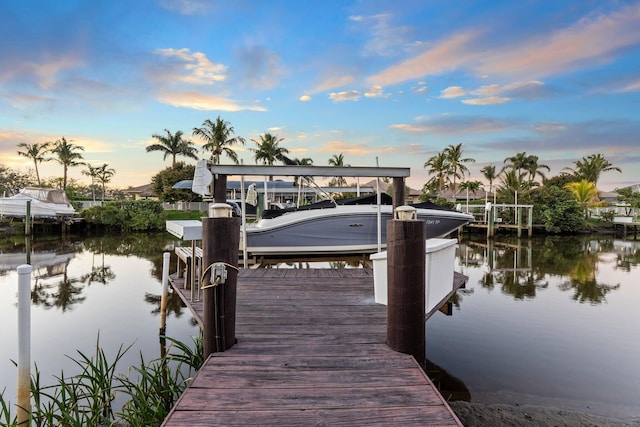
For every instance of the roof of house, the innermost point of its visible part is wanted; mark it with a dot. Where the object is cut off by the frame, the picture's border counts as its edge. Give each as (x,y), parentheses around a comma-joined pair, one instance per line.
(143,190)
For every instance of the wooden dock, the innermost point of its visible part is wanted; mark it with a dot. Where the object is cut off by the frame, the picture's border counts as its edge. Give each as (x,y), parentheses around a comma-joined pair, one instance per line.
(311,351)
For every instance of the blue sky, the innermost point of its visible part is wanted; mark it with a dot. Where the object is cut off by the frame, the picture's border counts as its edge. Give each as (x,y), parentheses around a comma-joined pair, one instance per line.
(393,80)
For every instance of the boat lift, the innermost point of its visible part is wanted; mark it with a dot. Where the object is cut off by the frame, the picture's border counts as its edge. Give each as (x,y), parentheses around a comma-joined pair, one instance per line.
(211,180)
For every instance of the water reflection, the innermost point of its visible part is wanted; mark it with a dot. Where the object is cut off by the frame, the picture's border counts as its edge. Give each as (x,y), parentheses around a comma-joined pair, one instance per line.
(545,321)
(82,287)
(519,271)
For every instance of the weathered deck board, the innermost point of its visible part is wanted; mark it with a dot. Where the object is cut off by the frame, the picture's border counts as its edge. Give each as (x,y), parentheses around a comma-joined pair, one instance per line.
(311,351)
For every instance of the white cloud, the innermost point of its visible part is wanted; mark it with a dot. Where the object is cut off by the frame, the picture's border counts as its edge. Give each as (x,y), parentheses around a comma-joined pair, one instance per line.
(446,56)
(200,101)
(486,101)
(350,95)
(304,98)
(374,92)
(452,92)
(334,82)
(631,87)
(590,41)
(192,67)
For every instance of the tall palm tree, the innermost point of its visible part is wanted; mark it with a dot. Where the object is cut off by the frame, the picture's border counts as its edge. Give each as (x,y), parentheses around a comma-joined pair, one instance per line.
(438,166)
(173,145)
(68,155)
(105,173)
(512,182)
(457,168)
(337,160)
(269,150)
(218,139)
(519,162)
(35,152)
(533,168)
(586,193)
(489,172)
(92,171)
(591,167)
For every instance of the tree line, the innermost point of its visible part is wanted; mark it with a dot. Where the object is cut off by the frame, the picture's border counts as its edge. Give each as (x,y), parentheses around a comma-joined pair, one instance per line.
(447,170)
(66,154)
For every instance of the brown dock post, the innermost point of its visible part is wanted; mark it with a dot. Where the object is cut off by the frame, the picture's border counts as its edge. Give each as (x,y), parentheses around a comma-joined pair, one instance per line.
(27,219)
(406,287)
(220,254)
(398,192)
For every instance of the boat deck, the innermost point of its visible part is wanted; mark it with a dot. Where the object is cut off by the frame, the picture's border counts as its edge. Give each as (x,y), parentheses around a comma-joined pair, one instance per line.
(310,351)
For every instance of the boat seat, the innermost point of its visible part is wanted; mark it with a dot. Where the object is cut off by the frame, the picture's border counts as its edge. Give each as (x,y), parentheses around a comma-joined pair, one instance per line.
(184,255)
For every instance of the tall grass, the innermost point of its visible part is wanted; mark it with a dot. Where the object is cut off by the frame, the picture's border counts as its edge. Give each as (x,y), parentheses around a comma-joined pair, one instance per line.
(149,389)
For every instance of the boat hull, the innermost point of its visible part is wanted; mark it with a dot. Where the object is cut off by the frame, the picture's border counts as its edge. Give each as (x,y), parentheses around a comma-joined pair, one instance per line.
(352,229)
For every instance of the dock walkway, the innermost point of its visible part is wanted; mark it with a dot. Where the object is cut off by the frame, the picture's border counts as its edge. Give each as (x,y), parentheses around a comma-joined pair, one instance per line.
(311,351)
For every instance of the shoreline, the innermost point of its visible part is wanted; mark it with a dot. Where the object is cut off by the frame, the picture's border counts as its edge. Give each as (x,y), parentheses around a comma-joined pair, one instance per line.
(500,414)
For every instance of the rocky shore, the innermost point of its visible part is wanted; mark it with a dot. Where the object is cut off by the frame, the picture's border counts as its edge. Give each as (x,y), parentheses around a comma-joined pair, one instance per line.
(499,415)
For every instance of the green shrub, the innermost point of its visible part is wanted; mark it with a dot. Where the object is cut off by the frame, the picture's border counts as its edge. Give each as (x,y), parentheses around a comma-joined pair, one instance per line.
(127,215)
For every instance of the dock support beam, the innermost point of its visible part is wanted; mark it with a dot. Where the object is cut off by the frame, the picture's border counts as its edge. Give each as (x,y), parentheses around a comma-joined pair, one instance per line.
(398,192)
(406,287)
(220,247)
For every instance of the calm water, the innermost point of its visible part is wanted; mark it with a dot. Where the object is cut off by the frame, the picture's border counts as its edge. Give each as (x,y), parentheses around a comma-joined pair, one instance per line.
(549,321)
(81,289)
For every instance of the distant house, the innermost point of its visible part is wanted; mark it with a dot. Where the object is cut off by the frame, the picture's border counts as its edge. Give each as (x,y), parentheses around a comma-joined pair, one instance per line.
(610,197)
(142,192)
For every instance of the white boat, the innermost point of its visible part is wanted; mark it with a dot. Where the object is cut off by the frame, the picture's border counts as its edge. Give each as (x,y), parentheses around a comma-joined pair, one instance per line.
(337,228)
(46,203)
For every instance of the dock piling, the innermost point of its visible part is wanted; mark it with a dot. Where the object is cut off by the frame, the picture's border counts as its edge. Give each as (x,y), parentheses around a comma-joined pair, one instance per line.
(220,254)
(406,287)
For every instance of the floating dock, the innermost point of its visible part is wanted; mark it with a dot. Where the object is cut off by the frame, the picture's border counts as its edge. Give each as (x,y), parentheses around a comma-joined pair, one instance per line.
(311,350)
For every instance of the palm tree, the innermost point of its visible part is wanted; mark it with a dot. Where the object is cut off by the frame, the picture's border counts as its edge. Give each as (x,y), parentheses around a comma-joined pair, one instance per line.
(37,153)
(589,168)
(456,162)
(269,150)
(438,166)
(337,160)
(519,162)
(305,161)
(218,139)
(93,173)
(489,172)
(105,173)
(512,182)
(173,145)
(585,192)
(68,156)
(534,169)
(470,186)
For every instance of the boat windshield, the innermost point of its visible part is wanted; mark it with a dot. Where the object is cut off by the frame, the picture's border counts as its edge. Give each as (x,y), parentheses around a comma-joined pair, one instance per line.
(50,195)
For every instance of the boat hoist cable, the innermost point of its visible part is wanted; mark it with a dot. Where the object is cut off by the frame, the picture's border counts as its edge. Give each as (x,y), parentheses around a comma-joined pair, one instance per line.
(218,277)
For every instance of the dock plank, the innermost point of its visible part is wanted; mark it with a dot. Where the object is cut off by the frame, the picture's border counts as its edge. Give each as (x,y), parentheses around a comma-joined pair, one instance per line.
(310,351)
